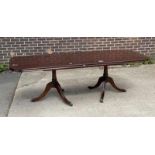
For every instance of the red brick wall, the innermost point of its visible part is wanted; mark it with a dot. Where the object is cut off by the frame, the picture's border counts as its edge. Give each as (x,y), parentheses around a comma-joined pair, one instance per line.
(39,45)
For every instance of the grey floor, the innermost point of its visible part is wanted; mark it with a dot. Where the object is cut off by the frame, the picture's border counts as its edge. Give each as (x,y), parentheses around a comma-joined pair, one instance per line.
(139,100)
(8,83)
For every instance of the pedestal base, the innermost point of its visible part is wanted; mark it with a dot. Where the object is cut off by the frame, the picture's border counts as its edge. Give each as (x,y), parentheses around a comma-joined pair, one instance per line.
(103,80)
(53,84)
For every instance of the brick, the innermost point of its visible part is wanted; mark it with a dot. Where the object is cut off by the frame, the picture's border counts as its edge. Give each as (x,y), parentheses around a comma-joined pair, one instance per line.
(10,48)
(19,42)
(29,48)
(24,45)
(15,39)
(33,45)
(110,45)
(28,42)
(41,38)
(6,45)
(15,45)
(23,39)
(33,51)
(152,46)
(19,48)
(8,39)
(10,43)
(32,39)
(70,46)
(2,48)
(49,38)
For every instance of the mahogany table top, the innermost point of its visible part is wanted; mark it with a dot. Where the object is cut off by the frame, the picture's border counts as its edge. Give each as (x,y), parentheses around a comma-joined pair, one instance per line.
(70,60)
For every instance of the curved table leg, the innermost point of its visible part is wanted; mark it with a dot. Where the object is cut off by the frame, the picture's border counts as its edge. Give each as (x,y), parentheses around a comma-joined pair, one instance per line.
(100,80)
(111,81)
(103,91)
(45,92)
(57,83)
(60,91)
(53,84)
(104,79)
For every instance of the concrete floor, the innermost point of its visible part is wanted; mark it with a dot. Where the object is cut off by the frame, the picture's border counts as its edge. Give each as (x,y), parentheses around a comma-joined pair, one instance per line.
(8,84)
(139,100)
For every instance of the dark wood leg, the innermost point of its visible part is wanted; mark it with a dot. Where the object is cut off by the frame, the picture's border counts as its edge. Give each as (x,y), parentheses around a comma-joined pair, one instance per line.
(53,84)
(111,81)
(104,79)
(45,92)
(60,91)
(100,80)
(103,91)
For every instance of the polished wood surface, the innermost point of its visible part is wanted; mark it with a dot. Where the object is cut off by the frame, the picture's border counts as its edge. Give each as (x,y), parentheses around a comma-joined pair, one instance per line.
(74,60)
